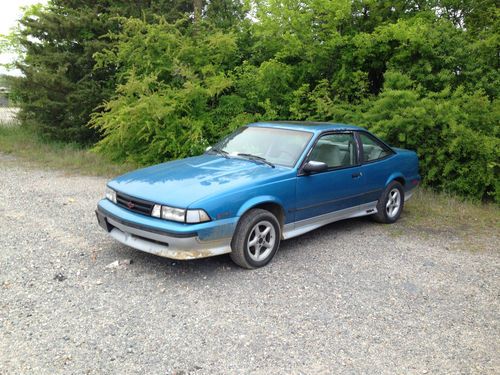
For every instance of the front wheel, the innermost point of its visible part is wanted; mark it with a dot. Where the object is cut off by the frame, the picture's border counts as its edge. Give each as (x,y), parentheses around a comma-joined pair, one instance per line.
(390,204)
(256,239)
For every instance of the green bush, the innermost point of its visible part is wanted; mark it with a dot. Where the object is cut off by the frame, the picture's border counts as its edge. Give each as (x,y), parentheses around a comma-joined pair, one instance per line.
(455,135)
(171,92)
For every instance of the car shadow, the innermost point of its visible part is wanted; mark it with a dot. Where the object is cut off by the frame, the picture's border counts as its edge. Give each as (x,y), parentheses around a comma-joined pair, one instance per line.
(145,263)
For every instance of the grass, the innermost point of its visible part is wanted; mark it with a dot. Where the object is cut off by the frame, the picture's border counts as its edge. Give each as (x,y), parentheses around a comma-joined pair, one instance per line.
(427,213)
(463,224)
(30,149)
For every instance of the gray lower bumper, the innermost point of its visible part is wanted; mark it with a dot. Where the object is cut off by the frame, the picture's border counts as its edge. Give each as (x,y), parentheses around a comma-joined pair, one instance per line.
(165,245)
(409,193)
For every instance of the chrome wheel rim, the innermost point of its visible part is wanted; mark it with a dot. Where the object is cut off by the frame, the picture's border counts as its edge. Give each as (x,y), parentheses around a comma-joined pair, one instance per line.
(393,203)
(261,241)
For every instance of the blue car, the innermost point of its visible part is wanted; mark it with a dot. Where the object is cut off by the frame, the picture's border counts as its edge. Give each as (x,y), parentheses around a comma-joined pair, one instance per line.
(264,183)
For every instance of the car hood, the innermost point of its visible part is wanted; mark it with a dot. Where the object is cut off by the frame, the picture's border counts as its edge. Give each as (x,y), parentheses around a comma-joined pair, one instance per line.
(182,182)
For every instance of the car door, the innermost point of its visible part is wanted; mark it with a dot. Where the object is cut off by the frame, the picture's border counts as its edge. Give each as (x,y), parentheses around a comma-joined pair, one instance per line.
(376,167)
(337,188)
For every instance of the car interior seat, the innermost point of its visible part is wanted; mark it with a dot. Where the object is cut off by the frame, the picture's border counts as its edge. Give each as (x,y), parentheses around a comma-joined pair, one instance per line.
(327,153)
(376,153)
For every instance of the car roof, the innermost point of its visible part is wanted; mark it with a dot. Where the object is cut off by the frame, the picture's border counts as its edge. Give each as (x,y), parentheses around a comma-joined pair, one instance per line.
(306,125)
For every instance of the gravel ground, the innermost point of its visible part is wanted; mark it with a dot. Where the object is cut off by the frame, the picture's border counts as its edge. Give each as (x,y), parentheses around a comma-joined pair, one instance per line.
(348,298)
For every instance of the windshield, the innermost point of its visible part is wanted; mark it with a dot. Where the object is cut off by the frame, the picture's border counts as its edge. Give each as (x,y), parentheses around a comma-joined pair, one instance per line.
(277,146)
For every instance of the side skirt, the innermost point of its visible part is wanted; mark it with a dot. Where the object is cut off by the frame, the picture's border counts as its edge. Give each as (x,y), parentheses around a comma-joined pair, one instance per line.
(300,227)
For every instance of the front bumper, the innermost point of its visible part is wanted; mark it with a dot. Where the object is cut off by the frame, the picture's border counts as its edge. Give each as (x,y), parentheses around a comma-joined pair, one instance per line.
(163,238)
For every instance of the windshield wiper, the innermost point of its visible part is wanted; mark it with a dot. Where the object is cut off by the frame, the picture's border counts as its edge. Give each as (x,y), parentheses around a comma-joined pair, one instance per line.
(256,158)
(220,152)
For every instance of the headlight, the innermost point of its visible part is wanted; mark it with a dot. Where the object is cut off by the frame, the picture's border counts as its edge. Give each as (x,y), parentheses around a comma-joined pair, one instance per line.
(179,214)
(111,194)
(171,213)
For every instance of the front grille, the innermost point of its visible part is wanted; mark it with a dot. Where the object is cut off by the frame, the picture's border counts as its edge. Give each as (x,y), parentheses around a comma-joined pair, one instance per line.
(134,204)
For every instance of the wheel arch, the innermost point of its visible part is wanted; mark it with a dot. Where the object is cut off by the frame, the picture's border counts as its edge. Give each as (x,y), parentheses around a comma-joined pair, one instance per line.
(399,177)
(268,203)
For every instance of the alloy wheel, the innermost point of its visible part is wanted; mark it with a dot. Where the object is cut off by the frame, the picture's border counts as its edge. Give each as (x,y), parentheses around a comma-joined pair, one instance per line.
(261,241)
(393,203)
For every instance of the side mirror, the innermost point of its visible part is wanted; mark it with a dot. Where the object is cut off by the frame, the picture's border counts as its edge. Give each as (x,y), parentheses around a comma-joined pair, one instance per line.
(314,166)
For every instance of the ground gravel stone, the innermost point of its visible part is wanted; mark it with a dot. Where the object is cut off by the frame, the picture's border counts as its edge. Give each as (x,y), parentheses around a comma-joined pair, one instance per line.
(350,298)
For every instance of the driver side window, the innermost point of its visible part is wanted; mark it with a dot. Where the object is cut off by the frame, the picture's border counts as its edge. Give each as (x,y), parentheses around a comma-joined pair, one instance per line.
(335,150)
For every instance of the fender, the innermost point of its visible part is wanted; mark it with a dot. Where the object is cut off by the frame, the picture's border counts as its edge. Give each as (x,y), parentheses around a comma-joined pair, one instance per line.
(255,201)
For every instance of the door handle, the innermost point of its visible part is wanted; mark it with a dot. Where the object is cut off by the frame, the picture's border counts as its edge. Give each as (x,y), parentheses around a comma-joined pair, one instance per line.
(357,175)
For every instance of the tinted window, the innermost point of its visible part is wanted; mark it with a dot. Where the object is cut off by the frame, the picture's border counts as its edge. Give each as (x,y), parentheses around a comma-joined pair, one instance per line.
(336,150)
(279,146)
(373,149)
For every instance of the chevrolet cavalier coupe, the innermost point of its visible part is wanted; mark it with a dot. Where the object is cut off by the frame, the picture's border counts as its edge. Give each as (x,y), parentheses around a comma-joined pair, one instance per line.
(264,183)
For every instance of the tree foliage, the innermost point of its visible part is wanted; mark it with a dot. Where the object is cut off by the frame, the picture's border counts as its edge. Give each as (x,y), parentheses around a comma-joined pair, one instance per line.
(165,80)
(61,85)
(171,81)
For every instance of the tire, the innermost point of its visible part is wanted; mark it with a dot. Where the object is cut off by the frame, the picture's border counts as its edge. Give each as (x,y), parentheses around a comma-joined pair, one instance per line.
(256,239)
(388,212)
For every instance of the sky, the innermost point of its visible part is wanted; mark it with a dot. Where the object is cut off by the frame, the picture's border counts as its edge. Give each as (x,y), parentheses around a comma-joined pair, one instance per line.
(9,14)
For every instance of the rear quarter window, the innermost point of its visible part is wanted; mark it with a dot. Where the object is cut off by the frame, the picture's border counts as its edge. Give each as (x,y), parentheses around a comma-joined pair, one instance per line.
(373,149)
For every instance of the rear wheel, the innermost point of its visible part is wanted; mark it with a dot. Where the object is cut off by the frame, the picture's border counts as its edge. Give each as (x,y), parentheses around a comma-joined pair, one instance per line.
(256,239)
(390,204)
